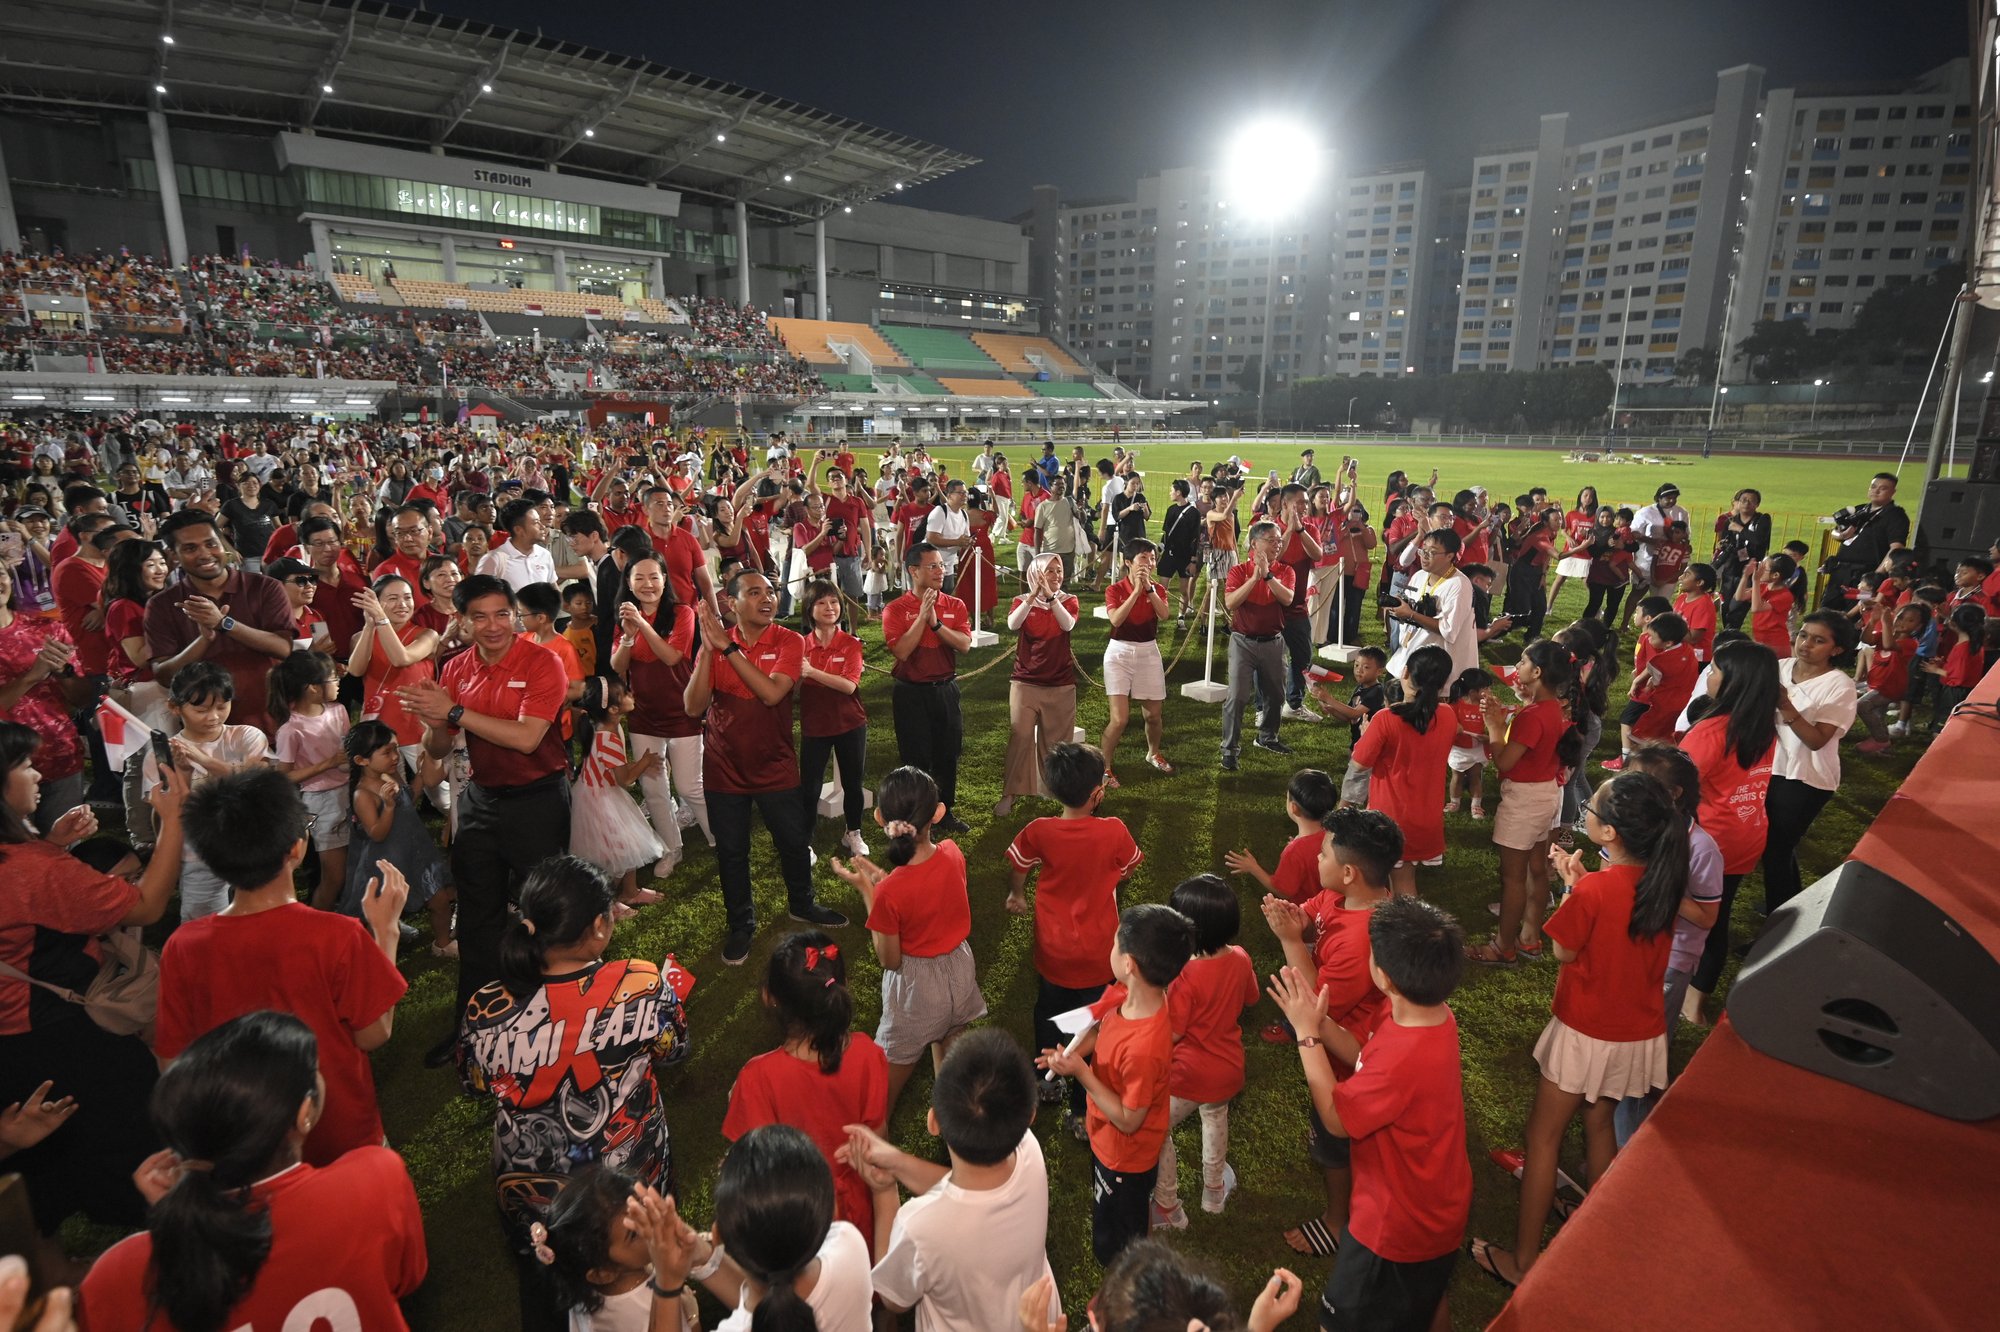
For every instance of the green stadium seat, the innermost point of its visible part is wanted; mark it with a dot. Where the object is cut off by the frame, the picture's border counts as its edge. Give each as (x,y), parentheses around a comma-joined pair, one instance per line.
(1049,388)
(840,383)
(920,383)
(938,349)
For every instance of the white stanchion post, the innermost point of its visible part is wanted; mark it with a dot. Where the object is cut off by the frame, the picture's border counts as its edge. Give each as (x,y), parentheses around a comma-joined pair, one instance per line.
(982,637)
(833,797)
(1339,651)
(1207,689)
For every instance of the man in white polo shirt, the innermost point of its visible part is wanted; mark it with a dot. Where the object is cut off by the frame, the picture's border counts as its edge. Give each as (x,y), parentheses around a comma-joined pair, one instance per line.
(950,531)
(522,558)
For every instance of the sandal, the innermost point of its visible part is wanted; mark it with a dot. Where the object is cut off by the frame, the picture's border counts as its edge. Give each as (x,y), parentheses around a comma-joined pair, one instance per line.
(1158,762)
(1488,955)
(1532,952)
(1318,1242)
(1482,1252)
(1110,780)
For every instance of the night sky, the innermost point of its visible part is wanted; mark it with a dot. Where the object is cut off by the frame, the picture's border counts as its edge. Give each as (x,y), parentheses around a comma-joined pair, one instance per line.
(1090,94)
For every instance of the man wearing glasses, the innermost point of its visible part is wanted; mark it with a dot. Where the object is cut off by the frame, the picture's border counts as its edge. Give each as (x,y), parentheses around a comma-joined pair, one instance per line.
(336,585)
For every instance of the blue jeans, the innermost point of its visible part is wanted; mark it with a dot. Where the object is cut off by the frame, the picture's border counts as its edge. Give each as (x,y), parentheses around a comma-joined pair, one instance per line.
(1632,1111)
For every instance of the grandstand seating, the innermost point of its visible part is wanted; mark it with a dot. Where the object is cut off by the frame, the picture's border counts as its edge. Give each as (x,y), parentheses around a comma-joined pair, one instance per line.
(840,383)
(424,294)
(354,287)
(1052,388)
(916,381)
(809,340)
(1011,351)
(985,388)
(938,348)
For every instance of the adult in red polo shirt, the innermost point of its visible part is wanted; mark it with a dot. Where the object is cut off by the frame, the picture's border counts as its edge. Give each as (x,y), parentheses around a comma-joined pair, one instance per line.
(1041,695)
(832,722)
(504,695)
(1256,594)
(1133,670)
(615,507)
(742,690)
(240,621)
(410,531)
(1298,549)
(687,563)
(853,529)
(926,630)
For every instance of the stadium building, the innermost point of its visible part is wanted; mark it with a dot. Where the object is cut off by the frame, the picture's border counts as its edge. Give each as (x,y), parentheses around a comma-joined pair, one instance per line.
(525,187)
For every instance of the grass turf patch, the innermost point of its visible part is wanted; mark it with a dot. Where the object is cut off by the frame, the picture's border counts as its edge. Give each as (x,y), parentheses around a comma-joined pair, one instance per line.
(1184,823)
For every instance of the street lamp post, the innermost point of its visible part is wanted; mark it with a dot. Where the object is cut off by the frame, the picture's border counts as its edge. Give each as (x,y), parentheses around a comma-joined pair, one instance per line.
(1350,408)
(1813,415)
(1271,168)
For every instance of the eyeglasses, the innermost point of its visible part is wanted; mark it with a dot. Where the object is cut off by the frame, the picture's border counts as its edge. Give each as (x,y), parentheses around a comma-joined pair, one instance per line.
(305,580)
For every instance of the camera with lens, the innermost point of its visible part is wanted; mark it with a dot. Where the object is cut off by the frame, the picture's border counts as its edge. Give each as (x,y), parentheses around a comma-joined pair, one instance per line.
(1425,605)
(1853,516)
(839,529)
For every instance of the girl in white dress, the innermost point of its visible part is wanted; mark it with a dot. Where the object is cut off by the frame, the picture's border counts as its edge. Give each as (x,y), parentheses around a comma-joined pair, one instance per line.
(607,827)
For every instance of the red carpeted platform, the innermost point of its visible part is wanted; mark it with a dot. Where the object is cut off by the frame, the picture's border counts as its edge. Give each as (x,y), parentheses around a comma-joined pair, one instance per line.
(1763,1196)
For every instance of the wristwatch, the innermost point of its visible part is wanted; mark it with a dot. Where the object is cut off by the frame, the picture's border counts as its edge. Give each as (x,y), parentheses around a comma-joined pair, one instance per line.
(456,717)
(228,623)
(729,649)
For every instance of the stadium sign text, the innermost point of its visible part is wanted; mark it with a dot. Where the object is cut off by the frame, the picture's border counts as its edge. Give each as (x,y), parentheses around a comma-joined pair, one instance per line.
(503,178)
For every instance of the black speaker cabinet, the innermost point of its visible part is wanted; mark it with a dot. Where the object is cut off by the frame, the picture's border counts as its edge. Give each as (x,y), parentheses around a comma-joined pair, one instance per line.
(1959,518)
(1864,979)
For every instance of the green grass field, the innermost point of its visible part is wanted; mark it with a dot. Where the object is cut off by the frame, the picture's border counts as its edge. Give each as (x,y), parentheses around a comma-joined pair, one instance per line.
(1184,823)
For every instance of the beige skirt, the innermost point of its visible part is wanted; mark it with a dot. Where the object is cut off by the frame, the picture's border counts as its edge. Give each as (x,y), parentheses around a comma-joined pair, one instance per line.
(1528,810)
(1597,1070)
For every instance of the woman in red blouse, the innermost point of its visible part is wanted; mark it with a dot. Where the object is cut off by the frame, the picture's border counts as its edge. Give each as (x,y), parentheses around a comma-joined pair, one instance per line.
(1041,696)
(133,572)
(832,722)
(655,654)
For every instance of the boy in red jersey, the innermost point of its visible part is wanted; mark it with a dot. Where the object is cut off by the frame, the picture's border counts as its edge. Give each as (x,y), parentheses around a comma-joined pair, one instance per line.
(1309,798)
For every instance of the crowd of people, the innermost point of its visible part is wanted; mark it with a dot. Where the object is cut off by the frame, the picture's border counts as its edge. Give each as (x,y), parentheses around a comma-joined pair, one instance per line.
(488,693)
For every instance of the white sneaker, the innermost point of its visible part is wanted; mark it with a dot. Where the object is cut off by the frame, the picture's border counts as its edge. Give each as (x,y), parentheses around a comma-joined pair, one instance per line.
(1899,729)
(855,843)
(1213,1202)
(665,866)
(1300,713)
(683,813)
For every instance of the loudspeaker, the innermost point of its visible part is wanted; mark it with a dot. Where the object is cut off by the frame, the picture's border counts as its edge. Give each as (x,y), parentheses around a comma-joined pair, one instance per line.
(1863,979)
(1959,518)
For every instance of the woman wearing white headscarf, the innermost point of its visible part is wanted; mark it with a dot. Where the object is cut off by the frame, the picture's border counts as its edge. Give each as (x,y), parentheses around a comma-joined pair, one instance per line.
(1041,696)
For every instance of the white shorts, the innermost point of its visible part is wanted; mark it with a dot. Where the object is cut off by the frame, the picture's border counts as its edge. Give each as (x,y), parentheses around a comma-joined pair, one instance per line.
(1574,566)
(329,808)
(1134,670)
(1528,812)
(1467,759)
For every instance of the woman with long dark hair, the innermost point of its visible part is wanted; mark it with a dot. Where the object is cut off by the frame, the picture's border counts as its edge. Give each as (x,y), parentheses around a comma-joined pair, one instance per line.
(655,654)
(1407,751)
(41,689)
(1607,1039)
(1596,653)
(555,982)
(53,914)
(1532,748)
(1732,747)
(1817,702)
(242,1232)
(832,722)
(1576,529)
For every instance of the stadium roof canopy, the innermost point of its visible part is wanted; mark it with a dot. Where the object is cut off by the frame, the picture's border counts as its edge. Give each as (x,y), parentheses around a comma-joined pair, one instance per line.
(412,79)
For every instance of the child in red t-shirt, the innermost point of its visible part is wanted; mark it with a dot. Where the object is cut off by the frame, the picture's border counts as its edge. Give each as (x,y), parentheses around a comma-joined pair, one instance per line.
(1642,660)
(1327,939)
(1123,1064)
(1766,586)
(1205,1007)
(1671,556)
(1534,748)
(824,1075)
(1403,1108)
(1469,748)
(1083,857)
(1887,657)
(1608,1038)
(921,922)
(1961,665)
(1309,797)
(1669,680)
(1695,602)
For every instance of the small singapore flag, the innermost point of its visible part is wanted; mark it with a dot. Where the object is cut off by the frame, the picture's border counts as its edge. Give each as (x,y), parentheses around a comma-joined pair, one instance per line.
(124,734)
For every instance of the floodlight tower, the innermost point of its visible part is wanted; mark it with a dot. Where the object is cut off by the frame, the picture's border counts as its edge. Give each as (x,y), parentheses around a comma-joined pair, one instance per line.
(1270,169)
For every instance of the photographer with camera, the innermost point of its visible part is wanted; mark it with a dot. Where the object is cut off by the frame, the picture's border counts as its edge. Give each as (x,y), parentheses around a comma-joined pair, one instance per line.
(1866,533)
(1436,606)
(1742,536)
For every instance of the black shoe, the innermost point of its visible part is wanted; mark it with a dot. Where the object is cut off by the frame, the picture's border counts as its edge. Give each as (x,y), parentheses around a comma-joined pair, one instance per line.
(812,913)
(1229,763)
(442,1053)
(736,948)
(953,826)
(1274,744)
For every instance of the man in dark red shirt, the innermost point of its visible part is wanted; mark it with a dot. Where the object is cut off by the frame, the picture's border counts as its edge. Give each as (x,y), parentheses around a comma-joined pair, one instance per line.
(338,584)
(505,696)
(1298,550)
(742,691)
(1256,594)
(680,551)
(410,530)
(853,529)
(240,621)
(926,630)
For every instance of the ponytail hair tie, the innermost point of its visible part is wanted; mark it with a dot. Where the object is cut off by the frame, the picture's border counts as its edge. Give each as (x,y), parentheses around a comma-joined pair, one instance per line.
(197,1165)
(538,1235)
(900,828)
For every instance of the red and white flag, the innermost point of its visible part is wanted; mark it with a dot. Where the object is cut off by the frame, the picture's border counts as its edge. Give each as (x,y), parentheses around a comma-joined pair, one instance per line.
(124,734)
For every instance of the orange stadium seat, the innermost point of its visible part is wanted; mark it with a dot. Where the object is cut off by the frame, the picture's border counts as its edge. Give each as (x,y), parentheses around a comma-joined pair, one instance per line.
(808,340)
(986,388)
(1011,351)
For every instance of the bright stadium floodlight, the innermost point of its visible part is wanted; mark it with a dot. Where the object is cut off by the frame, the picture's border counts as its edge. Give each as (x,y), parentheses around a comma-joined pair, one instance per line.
(486,87)
(1270,167)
